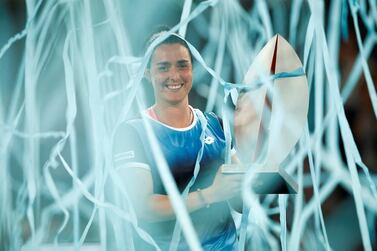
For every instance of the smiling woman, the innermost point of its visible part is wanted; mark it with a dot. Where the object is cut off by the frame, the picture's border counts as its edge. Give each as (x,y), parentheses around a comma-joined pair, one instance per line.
(170,73)
(178,128)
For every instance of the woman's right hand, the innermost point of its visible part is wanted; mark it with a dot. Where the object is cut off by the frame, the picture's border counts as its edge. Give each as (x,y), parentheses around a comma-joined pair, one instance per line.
(224,187)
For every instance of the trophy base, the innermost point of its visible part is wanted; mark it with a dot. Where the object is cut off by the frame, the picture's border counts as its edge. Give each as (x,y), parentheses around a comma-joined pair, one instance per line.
(266,180)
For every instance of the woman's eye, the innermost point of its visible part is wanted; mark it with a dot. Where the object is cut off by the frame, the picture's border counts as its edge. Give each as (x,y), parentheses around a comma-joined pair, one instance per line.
(162,68)
(182,66)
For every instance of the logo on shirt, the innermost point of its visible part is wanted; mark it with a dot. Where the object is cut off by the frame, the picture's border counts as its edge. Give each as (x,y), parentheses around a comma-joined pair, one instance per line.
(209,140)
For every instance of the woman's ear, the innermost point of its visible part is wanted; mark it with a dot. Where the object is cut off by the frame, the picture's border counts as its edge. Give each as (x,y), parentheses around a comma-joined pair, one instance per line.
(147,74)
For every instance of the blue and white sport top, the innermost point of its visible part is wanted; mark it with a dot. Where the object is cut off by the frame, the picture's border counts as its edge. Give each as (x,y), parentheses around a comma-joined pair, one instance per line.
(214,225)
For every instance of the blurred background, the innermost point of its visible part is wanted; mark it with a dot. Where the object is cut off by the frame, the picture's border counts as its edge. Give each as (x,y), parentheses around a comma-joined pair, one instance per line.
(70,71)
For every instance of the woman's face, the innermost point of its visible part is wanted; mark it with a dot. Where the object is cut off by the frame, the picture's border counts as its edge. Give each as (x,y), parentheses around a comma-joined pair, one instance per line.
(171,73)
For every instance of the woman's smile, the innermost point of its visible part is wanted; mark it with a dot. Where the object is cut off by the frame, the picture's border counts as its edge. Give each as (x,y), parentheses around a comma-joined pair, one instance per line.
(174,87)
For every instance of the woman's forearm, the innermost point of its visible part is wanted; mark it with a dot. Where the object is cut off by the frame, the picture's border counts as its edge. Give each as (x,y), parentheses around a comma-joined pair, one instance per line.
(159,207)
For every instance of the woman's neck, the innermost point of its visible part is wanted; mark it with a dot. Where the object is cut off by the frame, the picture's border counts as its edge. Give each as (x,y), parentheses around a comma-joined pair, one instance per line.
(178,116)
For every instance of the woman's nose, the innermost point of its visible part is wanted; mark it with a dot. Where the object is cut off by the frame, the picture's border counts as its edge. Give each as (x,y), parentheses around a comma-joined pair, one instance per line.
(174,74)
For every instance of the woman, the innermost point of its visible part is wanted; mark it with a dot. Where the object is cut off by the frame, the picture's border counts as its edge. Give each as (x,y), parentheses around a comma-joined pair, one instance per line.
(178,127)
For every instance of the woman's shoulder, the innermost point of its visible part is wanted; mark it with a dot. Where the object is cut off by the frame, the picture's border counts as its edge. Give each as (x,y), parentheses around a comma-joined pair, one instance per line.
(212,118)
(130,126)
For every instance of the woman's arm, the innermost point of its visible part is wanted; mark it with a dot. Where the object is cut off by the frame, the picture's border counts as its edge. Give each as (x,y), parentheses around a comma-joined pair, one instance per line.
(156,207)
(150,206)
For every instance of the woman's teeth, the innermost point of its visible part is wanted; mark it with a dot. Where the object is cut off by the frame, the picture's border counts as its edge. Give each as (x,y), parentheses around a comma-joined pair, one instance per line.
(174,87)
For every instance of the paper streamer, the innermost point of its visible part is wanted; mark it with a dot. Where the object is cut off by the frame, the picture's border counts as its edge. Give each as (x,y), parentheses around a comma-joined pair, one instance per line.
(75,72)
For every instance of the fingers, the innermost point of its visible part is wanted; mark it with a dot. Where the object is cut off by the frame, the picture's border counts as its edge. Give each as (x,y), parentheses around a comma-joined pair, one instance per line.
(233,191)
(233,178)
(233,185)
(227,185)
